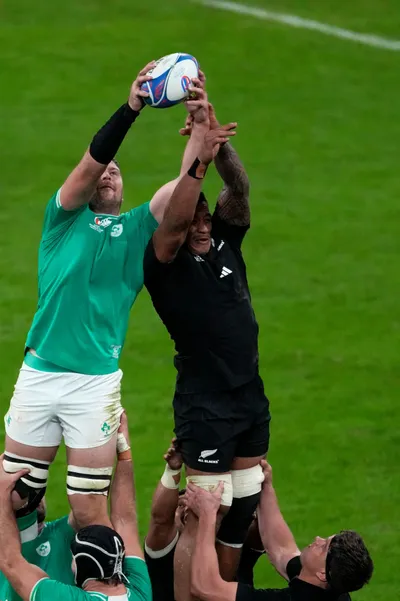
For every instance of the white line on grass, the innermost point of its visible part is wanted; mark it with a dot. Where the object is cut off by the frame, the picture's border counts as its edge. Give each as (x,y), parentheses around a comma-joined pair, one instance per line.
(294,21)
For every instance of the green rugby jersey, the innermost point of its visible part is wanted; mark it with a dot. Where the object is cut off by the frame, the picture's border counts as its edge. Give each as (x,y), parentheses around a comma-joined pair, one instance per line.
(138,587)
(90,273)
(49,550)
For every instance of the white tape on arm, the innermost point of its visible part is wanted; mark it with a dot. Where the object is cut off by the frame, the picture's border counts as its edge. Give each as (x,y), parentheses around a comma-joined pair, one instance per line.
(167,479)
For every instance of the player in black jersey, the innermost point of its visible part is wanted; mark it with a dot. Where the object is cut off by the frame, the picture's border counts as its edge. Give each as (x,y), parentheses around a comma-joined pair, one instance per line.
(327,570)
(196,276)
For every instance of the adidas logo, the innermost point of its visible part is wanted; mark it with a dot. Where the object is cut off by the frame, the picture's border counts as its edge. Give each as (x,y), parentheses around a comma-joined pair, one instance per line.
(225,271)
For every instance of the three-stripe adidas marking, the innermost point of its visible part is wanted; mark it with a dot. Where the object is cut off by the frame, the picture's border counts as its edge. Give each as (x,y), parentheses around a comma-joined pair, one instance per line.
(225,271)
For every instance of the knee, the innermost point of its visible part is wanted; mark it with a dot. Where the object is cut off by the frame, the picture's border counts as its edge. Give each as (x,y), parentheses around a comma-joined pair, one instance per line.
(246,485)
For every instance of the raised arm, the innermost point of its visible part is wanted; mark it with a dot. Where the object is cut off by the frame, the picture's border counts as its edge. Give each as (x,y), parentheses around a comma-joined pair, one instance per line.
(276,536)
(21,575)
(233,201)
(162,528)
(197,113)
(206,581)
(123,498)
(171,234)
(80,185)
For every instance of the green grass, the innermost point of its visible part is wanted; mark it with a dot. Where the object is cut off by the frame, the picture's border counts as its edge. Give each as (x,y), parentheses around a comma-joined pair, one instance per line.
(318,132)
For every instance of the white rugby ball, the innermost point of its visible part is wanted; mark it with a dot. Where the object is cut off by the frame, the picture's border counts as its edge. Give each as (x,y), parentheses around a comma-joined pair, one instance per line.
(171,78)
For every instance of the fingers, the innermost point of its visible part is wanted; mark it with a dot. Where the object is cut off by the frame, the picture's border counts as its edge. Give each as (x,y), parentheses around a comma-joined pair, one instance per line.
(202,77)
(196,91)
(15,476)
(151,65)
(228,127)
(220,488)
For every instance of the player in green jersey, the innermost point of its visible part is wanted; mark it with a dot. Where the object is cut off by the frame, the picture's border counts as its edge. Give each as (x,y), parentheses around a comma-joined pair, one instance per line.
(107,563)
(90,273)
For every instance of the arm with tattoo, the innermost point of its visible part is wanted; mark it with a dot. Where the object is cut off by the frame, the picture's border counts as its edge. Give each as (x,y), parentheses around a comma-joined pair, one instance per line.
(233,201)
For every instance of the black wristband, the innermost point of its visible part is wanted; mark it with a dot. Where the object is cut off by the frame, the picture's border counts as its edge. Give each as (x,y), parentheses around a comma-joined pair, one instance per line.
(198,169)
(108,139)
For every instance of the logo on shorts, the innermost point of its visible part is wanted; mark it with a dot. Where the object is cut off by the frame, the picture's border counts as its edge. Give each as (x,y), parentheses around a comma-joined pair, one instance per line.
(44,549)
(117,230)
(105,428)
(8,419)
(208,453)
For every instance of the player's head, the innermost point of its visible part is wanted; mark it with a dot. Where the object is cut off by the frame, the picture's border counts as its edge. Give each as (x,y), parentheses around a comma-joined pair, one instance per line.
(107,198)
(340,562)
(199,234)
(98,553)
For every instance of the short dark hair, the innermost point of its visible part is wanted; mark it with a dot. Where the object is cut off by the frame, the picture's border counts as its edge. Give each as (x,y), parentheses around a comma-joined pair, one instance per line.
(202,199)
(348,564)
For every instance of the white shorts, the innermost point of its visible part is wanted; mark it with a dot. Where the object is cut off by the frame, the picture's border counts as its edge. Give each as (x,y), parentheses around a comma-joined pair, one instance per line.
(48,406)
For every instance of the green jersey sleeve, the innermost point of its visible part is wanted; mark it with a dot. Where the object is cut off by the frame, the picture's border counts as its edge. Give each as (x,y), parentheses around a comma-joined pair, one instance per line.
(56,219)
(47,589)
(139,587)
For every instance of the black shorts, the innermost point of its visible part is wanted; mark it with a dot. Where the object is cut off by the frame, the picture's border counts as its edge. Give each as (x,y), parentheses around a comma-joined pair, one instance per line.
(213,428)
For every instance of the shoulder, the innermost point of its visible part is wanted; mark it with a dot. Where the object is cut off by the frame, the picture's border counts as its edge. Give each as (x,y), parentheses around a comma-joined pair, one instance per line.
(224,230)
(135,570)
(153,266)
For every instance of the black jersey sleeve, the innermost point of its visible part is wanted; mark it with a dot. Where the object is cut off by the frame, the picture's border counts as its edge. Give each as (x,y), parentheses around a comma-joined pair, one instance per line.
(152,267)
(293,567)
(233,234)
(249,593)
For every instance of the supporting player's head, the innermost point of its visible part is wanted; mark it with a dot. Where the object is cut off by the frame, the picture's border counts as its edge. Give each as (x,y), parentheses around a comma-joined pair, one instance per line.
(107,198)
(199,234)
(340,562)
(98,553)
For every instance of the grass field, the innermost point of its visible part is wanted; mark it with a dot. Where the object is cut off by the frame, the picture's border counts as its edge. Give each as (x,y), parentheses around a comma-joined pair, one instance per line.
(319,133)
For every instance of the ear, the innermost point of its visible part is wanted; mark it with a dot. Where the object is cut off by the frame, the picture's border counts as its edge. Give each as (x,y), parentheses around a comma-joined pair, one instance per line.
(321,575)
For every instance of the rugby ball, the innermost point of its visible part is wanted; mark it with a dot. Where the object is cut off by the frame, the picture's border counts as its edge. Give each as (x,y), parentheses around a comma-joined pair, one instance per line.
(171,78)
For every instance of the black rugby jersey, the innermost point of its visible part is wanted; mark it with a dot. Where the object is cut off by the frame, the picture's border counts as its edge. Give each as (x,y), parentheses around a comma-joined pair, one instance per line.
(205,304)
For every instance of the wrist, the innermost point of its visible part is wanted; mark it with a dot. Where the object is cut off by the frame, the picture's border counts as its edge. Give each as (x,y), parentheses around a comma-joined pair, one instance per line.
(125,456)
(198,169)
(171,478)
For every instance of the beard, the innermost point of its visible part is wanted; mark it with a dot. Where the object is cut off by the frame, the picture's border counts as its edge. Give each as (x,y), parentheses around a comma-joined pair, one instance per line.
(105,200)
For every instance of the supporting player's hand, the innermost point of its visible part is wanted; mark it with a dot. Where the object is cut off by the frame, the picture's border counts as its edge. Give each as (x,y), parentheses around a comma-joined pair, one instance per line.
(267,471)
(136,95)
(8,480)
(203,501)
(173,456)
(123,442)
(213,140)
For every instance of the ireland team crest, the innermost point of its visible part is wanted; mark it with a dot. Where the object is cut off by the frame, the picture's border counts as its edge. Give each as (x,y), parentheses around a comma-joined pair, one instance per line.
(116,230)
(44,549)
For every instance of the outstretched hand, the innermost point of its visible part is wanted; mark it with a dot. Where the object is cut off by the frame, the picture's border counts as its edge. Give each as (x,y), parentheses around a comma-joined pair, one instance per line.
(136,94)
(196,105)
(174,456)
(213,140)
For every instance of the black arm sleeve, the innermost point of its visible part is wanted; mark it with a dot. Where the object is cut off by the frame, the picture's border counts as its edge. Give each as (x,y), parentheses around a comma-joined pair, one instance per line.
(293,567)
(109,138)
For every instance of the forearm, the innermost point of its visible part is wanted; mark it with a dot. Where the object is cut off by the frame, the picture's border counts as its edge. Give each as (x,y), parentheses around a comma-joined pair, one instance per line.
(205,569)
(276,536)
(163,507)
(233,201)
(231,171)
(123,501)
(193,146)
(10,534)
